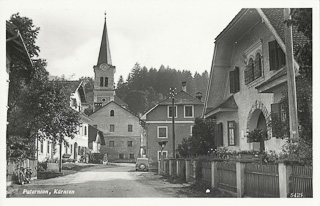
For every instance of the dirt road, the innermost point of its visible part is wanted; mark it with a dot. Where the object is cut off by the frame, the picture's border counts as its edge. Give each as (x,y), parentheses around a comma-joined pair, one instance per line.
(102,181)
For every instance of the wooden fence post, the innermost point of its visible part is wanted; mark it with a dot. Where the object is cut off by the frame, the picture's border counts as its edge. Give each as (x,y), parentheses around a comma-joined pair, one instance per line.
(159,167)
(170,167)
(194,170)
(240,178)
(284,174)
(178,167)
(214,173)
(187,171)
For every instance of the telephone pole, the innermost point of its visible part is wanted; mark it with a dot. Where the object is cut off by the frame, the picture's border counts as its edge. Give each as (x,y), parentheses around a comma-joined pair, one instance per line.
(172,93)
(292,99)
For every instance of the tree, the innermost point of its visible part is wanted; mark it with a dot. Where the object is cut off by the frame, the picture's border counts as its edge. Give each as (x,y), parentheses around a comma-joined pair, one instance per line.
(138,101)
(38,108)
(201,142)
(302,20)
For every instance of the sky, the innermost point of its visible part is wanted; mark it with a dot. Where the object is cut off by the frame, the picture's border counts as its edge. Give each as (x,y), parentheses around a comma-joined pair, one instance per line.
(176,33)
(179,34)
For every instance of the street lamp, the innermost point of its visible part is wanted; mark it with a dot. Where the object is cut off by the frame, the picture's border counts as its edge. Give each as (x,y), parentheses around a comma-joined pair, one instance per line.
(162,145)
(172,94)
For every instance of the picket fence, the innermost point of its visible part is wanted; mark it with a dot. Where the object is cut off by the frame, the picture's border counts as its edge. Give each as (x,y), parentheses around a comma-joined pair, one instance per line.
(245,178)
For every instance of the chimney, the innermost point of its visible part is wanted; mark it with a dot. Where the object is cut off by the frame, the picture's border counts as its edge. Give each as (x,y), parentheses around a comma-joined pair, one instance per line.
(199,95)
(184,86)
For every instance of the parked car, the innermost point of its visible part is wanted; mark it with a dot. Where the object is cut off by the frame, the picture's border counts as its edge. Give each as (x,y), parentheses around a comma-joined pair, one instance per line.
(142,164)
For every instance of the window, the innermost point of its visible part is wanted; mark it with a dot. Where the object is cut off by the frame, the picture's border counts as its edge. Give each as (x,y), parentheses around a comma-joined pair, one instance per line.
(257,66)
(248,72)
(112,113)
(219,134)
(48,147)
(111,127)
(111,143)
(129,143)
(70,148)
(131,156)
(279,117)
(73,102)
(188,111)
(106,81)
(103,99)
(170,112)
(130,128)
(66,147)
(101,81)
(277,58)
(121,156)
(165,154)
(162,132)
(234,80)
(231,132)
(85,130)
(41,147)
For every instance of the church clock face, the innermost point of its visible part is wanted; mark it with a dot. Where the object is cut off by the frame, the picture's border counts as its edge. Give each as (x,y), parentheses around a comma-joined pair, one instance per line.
(104,67)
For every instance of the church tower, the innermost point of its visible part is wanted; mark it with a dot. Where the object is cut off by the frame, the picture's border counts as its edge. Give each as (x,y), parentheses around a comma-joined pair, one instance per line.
(103,91)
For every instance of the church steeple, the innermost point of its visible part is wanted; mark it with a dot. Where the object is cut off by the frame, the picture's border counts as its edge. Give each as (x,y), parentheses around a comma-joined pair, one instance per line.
(104,54)
(103,91)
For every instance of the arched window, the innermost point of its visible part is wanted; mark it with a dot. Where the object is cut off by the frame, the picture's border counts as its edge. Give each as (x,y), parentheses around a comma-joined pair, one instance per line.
(101,81)
(112,113)
(257,66)
(248,72)
(106,81)
(85,130)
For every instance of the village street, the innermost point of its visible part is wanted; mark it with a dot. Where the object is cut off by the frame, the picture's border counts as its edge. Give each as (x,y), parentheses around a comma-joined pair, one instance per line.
(118,180)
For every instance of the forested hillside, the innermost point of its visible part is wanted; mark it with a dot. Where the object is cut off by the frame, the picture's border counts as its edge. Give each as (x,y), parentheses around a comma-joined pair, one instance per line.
(145,87)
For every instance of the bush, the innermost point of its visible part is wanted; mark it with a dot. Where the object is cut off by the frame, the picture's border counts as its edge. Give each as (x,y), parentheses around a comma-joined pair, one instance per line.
(299,152)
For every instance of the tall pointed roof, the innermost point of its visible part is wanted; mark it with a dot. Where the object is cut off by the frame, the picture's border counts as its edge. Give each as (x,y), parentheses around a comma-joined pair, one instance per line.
(104,54)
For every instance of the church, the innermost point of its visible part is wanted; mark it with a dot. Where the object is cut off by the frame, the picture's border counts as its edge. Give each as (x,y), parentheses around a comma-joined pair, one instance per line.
(121,129)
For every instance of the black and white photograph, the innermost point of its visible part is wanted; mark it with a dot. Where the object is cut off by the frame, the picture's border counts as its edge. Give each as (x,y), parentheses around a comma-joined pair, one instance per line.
(159,102)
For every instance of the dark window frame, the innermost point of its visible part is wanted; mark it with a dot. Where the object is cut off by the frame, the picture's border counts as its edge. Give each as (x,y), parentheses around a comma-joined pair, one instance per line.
(130,144)
(130,128)
(101,81)
(233,129)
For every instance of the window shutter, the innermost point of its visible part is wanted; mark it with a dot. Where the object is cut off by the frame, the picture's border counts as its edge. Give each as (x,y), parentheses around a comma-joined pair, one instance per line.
(273,63)
(275,115)
(257,68)
(219,135)
(236,79)
(281,57)
(248,74)
(231,79)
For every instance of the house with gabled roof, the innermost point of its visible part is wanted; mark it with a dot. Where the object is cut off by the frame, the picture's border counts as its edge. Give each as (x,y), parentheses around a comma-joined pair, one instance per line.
(248,76)
(158,123)
(121,131)
(77,146)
